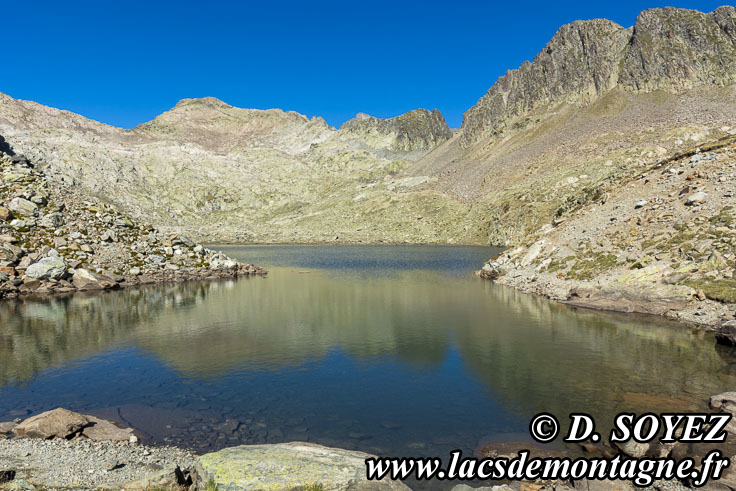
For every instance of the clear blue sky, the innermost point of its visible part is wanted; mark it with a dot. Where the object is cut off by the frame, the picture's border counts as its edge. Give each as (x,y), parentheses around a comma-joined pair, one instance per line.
(125,62)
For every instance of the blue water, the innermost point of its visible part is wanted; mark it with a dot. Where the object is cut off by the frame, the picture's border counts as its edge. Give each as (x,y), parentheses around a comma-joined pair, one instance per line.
(393,350)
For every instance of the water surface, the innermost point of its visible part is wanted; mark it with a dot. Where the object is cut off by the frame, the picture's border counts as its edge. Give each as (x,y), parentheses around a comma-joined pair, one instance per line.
(394,350)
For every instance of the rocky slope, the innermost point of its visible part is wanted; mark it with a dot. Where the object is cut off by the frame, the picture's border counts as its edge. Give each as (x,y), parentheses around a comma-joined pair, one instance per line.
(55,240)
(598,104)
(219,172)
(662,242)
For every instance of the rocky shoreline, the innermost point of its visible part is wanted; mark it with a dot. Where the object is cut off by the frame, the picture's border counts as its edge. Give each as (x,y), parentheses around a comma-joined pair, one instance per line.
(661,243)
(61,449)
(55,241)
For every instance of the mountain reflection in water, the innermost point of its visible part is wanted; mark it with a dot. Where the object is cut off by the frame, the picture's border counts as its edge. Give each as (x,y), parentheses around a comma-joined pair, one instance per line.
(393,349)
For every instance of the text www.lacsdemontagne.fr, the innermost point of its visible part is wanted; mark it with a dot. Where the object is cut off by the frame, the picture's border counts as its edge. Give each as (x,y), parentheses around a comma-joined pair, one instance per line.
(642,472)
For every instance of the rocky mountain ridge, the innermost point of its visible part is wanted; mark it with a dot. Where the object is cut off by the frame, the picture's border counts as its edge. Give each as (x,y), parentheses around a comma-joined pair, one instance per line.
(218,172)
(668,49)
(597,105)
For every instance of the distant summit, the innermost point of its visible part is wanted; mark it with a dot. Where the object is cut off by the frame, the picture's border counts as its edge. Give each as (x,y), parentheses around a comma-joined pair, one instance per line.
(419,129)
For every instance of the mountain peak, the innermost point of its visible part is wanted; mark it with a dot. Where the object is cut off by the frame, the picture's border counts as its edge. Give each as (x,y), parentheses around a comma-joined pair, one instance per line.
(418,129)
(209,101)
(668,49)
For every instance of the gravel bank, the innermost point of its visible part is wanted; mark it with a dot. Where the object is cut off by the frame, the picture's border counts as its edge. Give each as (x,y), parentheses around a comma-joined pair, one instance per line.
(83,464)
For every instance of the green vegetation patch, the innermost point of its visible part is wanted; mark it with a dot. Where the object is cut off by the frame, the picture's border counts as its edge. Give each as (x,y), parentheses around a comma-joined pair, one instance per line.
(558,264)
(587,268)
(724,217)
(723,290)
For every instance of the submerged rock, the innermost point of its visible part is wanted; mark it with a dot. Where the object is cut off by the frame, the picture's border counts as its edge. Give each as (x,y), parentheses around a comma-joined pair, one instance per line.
(287,466)
(100,429)
(7,427)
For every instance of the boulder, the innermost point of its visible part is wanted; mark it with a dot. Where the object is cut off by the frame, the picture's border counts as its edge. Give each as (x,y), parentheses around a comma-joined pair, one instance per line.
(52,220)
(726,403)
(726,333)
(633,449)
(5,214)
(21,160)
(287,466)
(39,199)
(218,263)
(7,427)
(87,280)
(22,206)
(101,429)
(10,253)
(173,478)
(636,296)
(695,198)
(491,270)
(52,267)
(58,423)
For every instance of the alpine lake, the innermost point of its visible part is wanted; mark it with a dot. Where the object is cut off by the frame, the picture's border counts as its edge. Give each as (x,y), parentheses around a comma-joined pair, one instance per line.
(392,350)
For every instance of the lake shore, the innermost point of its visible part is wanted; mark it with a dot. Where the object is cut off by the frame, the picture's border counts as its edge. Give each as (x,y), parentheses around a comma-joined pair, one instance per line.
(54,240)
(662,242)
(61,449)
(693,312)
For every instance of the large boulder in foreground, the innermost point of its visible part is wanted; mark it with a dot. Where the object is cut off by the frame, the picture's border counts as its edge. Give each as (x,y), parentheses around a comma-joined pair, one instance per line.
(289,466)
(58,423)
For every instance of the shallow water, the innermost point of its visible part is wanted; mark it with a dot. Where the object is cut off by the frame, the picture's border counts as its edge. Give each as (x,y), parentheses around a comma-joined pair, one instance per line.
(394,350)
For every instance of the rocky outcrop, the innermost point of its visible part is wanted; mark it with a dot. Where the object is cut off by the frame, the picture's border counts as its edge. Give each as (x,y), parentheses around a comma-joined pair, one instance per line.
(288,466)
(416,130)
(667,49)
(64,424)
(57,240)
(676,49)
(579,64)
